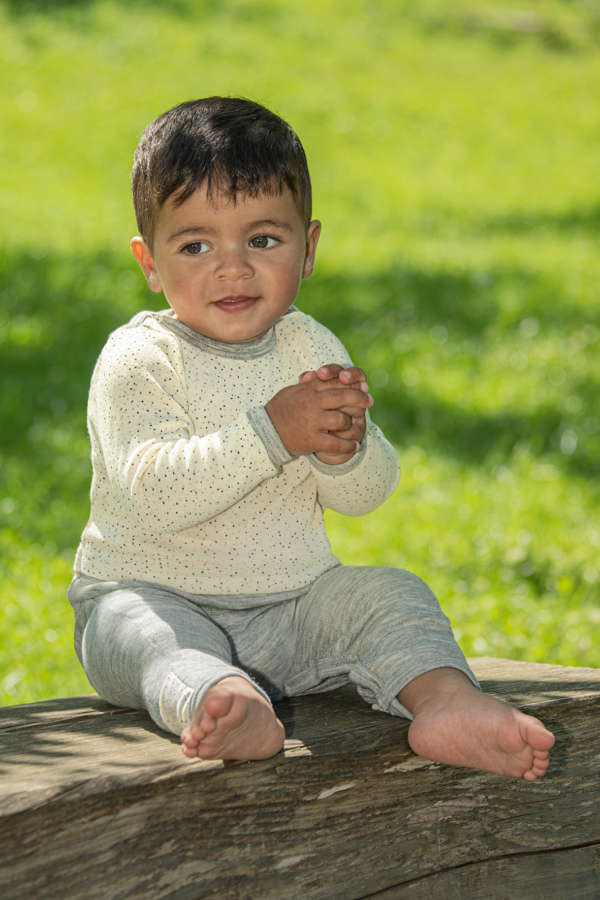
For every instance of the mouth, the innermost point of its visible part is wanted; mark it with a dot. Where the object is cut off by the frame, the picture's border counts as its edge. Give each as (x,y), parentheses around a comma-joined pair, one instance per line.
(236,303)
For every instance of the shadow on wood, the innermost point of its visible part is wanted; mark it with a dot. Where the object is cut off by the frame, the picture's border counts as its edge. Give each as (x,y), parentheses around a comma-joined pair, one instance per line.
(97,802)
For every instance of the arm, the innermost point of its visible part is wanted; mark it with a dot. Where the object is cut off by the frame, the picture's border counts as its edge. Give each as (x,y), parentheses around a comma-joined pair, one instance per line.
(369,473)
(309,419)
(153,459)
(364,482)
(317,418)
(375,465)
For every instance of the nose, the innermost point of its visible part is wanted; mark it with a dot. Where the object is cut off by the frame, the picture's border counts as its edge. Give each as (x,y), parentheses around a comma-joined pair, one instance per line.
(233,263)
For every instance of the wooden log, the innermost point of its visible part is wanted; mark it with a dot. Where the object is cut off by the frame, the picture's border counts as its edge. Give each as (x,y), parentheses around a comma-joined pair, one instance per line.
(97,802)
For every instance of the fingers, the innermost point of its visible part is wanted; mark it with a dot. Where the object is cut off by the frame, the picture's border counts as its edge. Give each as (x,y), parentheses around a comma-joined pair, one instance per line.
(338,384)
(354,375)
(337,420)
(351,375)
(335,445)
(325,373)
(356,431)
(353,411)
(334,459)
(331,370)
(315,416)
(340,397)
(303,416)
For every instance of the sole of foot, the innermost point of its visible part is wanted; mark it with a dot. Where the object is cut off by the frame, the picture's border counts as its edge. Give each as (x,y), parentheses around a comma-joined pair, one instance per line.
(233,721)
(468,728)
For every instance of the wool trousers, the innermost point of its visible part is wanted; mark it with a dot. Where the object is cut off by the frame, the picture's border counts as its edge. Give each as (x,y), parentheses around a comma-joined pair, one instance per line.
(146,646)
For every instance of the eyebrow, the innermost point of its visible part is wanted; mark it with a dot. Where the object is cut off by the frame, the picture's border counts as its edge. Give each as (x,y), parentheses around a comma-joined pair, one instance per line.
(191,229)
(206,229)
(274,223)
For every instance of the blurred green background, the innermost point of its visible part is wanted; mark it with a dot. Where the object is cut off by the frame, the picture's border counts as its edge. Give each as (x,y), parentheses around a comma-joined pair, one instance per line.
(454,152)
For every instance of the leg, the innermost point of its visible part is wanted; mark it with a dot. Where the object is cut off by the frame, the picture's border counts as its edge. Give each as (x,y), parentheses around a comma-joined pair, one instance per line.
(376,627)
(383,629)
(144,646)
(455,723)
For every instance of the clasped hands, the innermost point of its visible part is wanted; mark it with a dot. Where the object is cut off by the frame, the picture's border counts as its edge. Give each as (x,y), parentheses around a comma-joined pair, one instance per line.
(323,414)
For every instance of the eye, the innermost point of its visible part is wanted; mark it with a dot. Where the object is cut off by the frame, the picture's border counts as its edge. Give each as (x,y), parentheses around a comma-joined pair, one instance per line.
(195,248)
(263,241)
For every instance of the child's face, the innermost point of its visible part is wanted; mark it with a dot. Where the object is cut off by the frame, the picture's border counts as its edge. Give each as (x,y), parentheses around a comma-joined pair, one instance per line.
(229,269)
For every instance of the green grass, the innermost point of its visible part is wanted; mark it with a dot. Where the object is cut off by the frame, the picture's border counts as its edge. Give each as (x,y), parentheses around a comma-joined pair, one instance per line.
(453,148)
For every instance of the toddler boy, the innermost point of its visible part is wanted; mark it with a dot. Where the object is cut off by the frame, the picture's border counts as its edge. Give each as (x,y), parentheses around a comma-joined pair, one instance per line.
(205,585)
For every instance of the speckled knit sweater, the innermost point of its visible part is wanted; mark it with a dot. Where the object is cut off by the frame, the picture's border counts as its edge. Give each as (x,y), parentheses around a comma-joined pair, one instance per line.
(192,487)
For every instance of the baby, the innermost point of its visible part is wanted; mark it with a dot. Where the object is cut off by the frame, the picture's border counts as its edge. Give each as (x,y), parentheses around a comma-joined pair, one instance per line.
(221,428)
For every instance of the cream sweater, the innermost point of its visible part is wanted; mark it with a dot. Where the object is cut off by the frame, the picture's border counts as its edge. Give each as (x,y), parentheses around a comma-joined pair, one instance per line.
(192,487)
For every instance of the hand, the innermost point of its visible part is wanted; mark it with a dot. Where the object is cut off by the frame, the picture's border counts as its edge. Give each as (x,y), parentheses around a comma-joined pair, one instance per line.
(310,417)
(350,376)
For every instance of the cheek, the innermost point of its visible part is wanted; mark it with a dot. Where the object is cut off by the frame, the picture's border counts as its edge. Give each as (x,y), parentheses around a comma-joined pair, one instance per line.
(289,285)
(287,277)
(182,278)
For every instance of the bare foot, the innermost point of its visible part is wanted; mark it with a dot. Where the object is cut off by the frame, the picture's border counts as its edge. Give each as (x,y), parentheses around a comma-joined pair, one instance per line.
(233,721)
(455,723)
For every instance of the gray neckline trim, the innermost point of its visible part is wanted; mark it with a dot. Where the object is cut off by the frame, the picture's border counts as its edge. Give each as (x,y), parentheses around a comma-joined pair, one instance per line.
(251,350)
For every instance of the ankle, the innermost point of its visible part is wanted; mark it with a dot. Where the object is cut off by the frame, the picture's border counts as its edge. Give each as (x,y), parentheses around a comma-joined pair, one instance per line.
(436,685)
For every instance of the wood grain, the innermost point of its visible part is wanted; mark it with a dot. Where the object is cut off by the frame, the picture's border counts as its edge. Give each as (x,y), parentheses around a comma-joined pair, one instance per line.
(97,802)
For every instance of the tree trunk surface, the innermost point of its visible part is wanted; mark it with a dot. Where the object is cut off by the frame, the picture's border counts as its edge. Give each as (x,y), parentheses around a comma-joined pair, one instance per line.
(96,802)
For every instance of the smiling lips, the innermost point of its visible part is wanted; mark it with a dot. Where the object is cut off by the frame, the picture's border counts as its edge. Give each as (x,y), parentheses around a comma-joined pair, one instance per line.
(236,303)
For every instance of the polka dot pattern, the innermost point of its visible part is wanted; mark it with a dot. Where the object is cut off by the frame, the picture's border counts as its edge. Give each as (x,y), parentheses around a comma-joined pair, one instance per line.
(184,492)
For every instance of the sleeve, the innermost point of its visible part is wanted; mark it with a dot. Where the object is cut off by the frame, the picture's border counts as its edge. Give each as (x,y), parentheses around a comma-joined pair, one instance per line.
(371,476)
(364,482)
(154,461)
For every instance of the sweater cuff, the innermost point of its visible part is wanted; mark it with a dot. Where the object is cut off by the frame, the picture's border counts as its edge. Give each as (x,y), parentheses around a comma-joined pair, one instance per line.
(341,468)
(266,431)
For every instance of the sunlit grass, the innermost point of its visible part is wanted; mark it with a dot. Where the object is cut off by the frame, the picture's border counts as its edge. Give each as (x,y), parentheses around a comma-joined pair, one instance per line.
(453,148)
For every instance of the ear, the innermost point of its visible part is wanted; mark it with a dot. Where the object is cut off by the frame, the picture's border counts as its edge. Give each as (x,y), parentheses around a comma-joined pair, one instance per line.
(312,239)
(142,253)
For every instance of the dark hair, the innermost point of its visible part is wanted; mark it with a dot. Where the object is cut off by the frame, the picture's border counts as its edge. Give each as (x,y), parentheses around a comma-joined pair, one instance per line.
(229,143)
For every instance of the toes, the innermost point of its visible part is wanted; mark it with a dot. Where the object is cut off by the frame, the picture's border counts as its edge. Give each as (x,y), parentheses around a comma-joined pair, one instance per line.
(217,703)
(539,765)
(540,756)
(193,738)
(537,735)
(201,727)
(191,751)
(233,722)
(534,773)
(538,740)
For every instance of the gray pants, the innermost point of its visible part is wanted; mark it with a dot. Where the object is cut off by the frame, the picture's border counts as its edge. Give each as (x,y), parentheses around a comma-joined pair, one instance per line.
(145,646)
